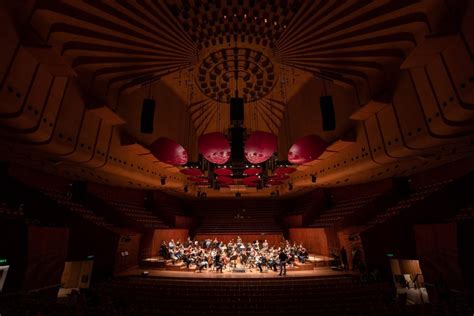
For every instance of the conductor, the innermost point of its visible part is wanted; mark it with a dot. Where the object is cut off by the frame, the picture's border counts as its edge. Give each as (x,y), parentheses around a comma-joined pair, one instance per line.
(283,258)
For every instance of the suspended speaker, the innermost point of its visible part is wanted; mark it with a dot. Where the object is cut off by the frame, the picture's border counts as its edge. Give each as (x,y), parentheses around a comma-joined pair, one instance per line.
(236,111)
(327,113)
(148,116)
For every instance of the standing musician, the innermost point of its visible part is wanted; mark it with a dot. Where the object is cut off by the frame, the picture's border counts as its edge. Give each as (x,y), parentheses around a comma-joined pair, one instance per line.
(217,262)
(283,258)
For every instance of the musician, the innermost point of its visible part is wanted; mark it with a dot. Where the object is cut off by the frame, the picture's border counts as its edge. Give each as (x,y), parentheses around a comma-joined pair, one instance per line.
(260,261)
(163,250)
(217,262)
(303,255)
(265,244)
(202,262)
(283,258)
(171,244)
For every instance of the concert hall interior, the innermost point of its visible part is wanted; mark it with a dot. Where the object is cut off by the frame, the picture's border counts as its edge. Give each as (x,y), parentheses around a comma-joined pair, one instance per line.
(270,157)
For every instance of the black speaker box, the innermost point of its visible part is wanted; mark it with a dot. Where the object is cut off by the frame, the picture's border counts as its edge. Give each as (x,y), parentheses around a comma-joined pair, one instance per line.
(237,110)
(148,116)
(327,113)
(237,144)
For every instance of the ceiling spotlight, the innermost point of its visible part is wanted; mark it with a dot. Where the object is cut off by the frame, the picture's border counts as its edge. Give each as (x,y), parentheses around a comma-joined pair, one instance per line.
(163,180)
(313,178)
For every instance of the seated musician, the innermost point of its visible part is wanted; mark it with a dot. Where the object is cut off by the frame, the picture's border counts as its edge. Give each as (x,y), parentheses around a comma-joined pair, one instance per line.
(187,259)
(303,255)
(202,262)
(175,255)
(260,261)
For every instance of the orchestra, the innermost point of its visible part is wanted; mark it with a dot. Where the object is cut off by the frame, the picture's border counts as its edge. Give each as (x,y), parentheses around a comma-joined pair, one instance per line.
(218,256)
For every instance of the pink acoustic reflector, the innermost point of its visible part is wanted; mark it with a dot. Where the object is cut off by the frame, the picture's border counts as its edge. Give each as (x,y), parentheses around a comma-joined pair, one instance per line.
(198,179)
(260,146)
(222,179)
(214,147)
(191,172)
(283,177)
(251,179)
(223,171)
(252,171)
(306,149)
(284,170)
(275,182)
(169,151)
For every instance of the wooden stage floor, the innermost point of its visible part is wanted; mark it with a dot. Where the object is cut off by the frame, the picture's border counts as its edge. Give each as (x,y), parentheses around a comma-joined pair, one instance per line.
(255,274)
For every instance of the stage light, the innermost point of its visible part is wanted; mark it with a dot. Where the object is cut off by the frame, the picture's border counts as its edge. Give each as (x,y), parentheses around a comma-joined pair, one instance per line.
(313,178)
(145,273)
(163,180)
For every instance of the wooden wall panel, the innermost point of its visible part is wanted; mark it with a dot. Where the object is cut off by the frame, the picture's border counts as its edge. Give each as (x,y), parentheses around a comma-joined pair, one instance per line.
(166,235)
(17,83)
(272,238)
(313,239)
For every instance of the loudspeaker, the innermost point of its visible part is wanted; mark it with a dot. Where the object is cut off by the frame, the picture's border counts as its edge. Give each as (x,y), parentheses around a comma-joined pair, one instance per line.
(327,113)
(236,110)
(148,116)
(237,144)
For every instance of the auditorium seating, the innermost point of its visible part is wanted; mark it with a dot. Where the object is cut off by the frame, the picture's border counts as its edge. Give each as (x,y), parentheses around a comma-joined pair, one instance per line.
(419,194)
(328,296)
(342,209)
(137,213)
(218,221)
(63,199)
(8,212)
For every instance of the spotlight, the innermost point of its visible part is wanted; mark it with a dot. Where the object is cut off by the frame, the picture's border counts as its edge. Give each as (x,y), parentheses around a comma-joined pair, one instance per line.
(313,178)
(290,186)
(145,273)
(163,180)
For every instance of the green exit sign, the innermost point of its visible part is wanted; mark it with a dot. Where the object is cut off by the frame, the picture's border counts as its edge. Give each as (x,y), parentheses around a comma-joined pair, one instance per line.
(3,261)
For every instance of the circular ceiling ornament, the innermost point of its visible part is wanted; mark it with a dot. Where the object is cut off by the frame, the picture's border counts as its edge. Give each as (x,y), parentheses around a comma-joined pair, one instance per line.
(214,147)
(224,71)
(191,172)
(306,149)
(169,151)
(260,146)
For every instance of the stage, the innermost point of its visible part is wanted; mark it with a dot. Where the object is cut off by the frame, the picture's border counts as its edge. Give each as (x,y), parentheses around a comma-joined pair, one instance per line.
(316,265)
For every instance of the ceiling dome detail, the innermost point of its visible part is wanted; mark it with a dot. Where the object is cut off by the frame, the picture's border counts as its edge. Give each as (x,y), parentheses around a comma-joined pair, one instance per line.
(223,72)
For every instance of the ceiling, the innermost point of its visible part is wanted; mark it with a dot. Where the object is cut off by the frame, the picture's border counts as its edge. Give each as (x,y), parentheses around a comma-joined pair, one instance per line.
(386,63)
